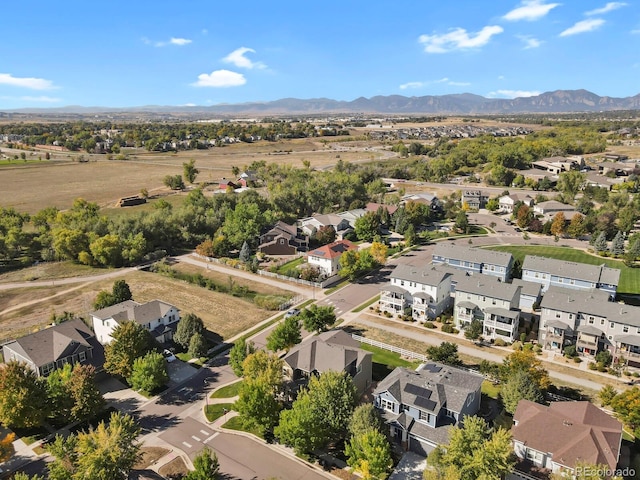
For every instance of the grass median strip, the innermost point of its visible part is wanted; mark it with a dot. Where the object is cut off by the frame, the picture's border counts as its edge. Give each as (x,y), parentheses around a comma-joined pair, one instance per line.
(228,391)
(366,304)
(216,410)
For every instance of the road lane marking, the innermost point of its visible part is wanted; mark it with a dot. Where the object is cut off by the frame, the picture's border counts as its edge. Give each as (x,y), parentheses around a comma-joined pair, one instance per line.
(204,432)
(195,438)
(212,437)
(188,445)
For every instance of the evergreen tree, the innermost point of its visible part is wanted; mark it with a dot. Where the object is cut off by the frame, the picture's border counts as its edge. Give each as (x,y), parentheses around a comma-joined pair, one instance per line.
(600,243)
(617,245)
(245,252)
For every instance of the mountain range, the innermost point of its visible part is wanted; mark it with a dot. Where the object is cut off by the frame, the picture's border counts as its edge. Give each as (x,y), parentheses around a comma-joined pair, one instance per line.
(558,101)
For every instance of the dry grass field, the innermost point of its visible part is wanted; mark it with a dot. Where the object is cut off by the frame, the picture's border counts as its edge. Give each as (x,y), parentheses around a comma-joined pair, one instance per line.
(221,313)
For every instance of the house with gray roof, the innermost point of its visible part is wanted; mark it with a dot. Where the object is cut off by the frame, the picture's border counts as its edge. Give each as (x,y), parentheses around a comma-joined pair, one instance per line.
(561,273)
(334,350)
(507,202)
(494,303)
(474,199)
(159,317)
(422,406)
(588,320)
(425,289)
(55,346)
(474,260)
(530,294)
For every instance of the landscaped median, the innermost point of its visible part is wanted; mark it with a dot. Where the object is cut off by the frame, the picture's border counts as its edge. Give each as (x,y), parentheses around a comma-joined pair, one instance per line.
(220,404)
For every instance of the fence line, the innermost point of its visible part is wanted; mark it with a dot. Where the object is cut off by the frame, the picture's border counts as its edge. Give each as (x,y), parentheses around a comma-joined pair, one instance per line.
(392,348)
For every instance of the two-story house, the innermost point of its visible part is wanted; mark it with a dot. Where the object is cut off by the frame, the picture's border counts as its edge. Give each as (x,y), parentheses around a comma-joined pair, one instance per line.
(485,298)
(159,317)
(588,320)
(474,260)
(327,257)
(579,276)
(422,406)
(334,350)
(52,348)
(426,290)
(564,434)
(283,239)
(507,202)
(311,225)
(474,199)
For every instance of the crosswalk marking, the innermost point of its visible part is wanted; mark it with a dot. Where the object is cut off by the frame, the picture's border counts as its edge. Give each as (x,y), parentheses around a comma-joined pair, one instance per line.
(188,445)
(195,438)
(204,432)
(212,437)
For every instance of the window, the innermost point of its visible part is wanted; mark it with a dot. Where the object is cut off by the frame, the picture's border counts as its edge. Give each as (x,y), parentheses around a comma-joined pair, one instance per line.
(573,282)
(557,314)
(47,368)
(590,322)
(625,329)
(611,325)
(402,282)
(425,416)
(601,320)
(386,404)
(82,356)
(571,316)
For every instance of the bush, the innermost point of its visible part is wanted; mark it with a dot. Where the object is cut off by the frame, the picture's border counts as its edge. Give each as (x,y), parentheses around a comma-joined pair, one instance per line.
(429,325)
(516,345)
(447,328)
(269,302)
(388,314)
(593,366)
(577,360)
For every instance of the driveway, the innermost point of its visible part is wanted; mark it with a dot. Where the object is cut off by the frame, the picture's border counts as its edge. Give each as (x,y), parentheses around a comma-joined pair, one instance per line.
(179,372)
(410,467)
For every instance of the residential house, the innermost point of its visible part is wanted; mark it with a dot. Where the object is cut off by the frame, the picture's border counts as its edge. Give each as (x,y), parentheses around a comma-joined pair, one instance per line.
(334,350)
(352,215)
(588,320)
(373,207)
(55,346)
(226,183)
(565,434)
(474,260)
(561,273)
(429,199)
(474,199)
(426,290)
(494,303)
(507,202)
(327,257)
(159,317)
(311,225)
(551,207)
(283,239)
(530,294)
(247,178)
(422,406)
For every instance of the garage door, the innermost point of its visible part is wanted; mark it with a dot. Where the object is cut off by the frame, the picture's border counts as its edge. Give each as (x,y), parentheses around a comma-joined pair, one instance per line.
(420,447)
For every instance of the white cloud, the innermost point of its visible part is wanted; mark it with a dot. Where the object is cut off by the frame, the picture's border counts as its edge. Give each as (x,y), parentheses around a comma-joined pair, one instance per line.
(500,77)
(188,105)
(204,31)
(408,85)
(414,85)
(26,82)
(583,26)
(530,10)
(606,9)
(529,41)
(220,79)
(41,98)
(458,39)
(238,59)
(635,32)
(513,93)
(179,41)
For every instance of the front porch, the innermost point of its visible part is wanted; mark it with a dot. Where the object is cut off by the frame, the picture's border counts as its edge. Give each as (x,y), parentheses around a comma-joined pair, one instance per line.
(394,299)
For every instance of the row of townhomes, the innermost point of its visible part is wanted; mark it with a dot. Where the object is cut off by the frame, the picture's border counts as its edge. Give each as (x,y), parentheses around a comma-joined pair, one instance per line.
(576,301)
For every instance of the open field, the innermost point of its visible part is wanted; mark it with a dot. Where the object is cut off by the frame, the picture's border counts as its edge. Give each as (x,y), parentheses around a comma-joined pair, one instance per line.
(32,187)
(629,277)
(50,270)
(223,314)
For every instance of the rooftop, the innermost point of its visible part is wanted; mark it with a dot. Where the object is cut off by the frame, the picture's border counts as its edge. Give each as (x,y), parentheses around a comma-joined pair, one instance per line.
(478,255)
(578,271)
(333,250)
(489,286)
(426,275)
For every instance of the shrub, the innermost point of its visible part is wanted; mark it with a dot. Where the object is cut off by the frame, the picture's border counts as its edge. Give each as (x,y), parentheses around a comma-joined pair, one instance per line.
(387,314)
(447,328)
(517,345)
(577,360)
(429,325)
(269,302)
(498,342)
(593,366)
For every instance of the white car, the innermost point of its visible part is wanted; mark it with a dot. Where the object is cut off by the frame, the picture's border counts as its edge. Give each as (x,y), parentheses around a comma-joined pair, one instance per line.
(292,313)
(169,356)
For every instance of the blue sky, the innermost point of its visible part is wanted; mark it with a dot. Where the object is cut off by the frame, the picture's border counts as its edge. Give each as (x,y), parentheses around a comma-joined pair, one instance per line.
(205,52)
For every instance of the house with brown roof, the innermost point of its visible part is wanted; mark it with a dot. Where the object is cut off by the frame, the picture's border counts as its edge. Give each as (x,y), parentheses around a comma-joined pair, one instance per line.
(283,239)
(327,257)
(159,317)
(564,434)
(55,346)
(334,350)
(422,406)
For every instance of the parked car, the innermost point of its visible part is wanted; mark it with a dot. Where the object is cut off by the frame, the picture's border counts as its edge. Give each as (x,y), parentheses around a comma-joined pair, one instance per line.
(292,313)
(169,356)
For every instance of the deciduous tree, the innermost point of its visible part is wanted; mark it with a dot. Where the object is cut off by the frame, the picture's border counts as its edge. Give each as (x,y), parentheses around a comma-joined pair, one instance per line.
(130,341)
(285,335)
(23,397)
(558,224)
(365,417)
(188,326)
(198,345)
(625,406)
(370,454)
(149,372)
(6,446)
(238,353)
(189,171)
(446,352)
(206,466)
(519,386)
(318,318)
(525,360)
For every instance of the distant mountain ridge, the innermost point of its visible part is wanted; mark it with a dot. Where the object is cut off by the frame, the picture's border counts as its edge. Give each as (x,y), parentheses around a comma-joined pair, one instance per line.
(558,101)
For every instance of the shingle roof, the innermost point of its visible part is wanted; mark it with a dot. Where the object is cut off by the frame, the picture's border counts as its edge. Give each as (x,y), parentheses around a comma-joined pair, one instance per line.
(578,271)
(593,302)
(334,249)
(488,286)
(129,310)
(426,275)
(531,289)
(447,385)
(479,255)
(570,431)
(553,205)
(321,354)
(54,343)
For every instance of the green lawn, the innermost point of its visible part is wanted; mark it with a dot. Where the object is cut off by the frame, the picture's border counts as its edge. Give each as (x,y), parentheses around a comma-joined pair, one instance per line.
(366,304)
(629,277)
(227,392)
(215,411)
(236,423)
(490,390)
(385,361)
(285,267)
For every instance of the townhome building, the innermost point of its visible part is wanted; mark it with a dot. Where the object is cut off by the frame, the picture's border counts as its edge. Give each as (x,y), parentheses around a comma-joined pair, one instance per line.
(47,350)
(494,303)
(579,276)
(592,323)
(426,290)
(422,406)
(563,435)
(474,260)
(159,317)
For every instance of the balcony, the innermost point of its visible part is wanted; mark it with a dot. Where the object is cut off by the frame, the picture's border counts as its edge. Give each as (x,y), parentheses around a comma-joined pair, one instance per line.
(623,352)
(586,343)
